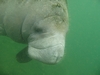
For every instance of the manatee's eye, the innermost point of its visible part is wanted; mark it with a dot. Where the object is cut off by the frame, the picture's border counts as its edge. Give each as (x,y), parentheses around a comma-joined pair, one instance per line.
(38,30)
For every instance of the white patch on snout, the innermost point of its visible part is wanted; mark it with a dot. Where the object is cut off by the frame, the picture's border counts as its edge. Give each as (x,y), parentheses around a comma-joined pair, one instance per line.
(48,41)
(50,55)
(48,50)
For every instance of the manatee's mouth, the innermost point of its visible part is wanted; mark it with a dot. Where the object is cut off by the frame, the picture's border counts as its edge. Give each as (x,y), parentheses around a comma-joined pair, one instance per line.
(48,50)
(49,55)
(47,42)
(42,48)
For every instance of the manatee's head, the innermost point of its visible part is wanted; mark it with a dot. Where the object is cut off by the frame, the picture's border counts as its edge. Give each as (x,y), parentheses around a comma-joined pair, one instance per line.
(46,41)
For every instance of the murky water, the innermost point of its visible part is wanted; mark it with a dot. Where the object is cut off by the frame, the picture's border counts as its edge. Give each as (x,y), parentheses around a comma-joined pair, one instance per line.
(82,52)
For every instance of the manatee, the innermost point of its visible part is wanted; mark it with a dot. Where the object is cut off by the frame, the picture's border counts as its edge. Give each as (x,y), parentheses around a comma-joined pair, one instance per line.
(41,24)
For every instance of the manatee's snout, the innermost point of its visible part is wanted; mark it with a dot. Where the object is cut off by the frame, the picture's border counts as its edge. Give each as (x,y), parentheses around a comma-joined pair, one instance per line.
(48,50)
(50,55)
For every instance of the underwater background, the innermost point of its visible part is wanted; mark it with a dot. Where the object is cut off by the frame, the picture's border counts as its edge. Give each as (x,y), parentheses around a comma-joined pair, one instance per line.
(82,51)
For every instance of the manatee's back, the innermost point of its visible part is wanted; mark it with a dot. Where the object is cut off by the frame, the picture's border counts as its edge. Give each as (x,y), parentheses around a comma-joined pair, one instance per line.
(14,12)
(10,19)
(2,10)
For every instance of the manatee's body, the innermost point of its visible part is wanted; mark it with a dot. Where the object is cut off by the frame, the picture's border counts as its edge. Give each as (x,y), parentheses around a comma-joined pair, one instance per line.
(42,24)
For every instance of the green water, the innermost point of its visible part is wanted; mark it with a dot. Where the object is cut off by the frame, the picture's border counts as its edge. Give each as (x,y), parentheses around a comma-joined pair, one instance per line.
(82,52)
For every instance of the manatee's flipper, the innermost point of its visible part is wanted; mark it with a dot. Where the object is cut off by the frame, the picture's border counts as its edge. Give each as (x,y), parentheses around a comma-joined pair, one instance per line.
(22,56)
(2,31)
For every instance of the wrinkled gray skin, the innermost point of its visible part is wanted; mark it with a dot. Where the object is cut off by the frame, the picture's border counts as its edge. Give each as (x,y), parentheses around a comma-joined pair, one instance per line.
(42,24)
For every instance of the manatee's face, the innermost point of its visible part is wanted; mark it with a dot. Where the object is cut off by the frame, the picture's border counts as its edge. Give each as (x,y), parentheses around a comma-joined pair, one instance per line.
(47,40)
(48,50)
